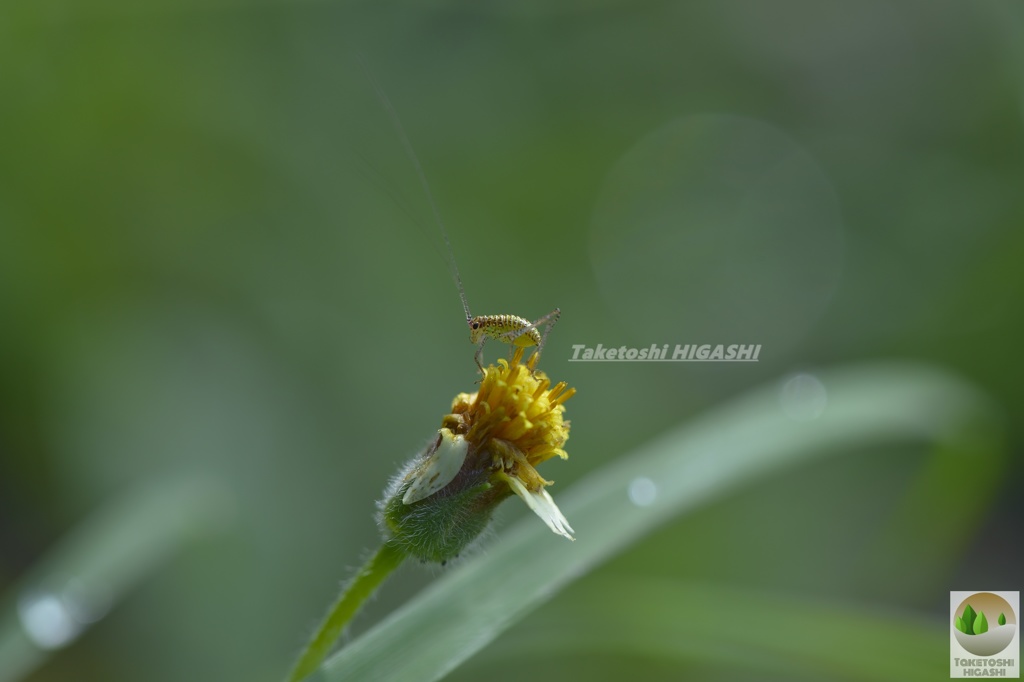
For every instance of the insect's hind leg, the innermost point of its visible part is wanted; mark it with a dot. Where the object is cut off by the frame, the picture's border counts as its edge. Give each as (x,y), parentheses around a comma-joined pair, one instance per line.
(548,321)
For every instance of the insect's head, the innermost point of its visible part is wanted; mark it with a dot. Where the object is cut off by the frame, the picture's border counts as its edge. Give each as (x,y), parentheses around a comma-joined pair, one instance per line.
(476,329)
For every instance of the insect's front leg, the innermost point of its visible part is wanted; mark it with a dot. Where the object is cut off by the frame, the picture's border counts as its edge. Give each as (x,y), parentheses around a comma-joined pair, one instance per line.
(479,356)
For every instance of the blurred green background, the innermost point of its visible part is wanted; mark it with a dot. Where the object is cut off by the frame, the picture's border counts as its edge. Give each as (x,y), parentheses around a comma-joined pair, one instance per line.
(215,260)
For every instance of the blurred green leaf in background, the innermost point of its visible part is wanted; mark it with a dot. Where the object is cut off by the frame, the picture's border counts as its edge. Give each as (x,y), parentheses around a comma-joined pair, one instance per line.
(216,265)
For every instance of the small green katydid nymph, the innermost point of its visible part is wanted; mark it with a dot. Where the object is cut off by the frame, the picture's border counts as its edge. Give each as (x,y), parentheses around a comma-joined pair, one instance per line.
(511,329)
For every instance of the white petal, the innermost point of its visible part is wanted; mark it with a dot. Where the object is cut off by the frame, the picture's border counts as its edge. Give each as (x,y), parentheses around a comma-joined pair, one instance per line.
(543,506)
(441,467)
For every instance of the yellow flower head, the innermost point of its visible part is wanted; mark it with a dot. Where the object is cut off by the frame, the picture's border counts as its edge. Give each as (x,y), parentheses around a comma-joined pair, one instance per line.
(486,449)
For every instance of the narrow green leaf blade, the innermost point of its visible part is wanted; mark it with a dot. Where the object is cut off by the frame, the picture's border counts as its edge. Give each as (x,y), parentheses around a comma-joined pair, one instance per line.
(783,636)
(691,465)
(91,569)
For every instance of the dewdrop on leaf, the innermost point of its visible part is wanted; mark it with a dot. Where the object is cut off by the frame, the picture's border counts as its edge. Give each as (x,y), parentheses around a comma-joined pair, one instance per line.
(486,450)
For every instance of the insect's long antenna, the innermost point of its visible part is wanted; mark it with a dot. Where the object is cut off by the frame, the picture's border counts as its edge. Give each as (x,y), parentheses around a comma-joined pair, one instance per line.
(411,153)
(372,175)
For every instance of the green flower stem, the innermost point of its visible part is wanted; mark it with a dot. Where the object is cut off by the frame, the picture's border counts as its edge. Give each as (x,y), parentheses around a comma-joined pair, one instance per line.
(369,578)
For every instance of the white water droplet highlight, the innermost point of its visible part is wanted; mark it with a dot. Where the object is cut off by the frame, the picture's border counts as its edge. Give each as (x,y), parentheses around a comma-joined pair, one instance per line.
(642,491)
(46,620)
(803,397)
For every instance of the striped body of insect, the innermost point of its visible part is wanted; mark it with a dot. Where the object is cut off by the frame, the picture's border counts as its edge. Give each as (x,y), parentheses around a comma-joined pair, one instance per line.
(510,329)
(516,330)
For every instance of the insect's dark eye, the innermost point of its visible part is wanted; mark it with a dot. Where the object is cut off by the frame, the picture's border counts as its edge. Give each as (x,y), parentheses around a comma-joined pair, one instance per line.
(476,325)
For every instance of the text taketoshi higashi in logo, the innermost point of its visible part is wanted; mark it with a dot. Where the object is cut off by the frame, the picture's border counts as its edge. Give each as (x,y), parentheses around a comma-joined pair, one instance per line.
(984,640)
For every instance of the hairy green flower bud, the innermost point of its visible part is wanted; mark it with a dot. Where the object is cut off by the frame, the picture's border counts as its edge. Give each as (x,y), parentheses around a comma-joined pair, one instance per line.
(485,451)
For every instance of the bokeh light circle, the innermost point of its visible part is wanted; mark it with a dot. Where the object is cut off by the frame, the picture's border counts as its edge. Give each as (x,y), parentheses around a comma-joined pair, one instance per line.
(717,229)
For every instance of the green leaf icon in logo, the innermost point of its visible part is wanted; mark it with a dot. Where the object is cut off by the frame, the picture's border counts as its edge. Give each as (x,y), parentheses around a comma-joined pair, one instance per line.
(976,629)
(980,625)
(968,617)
